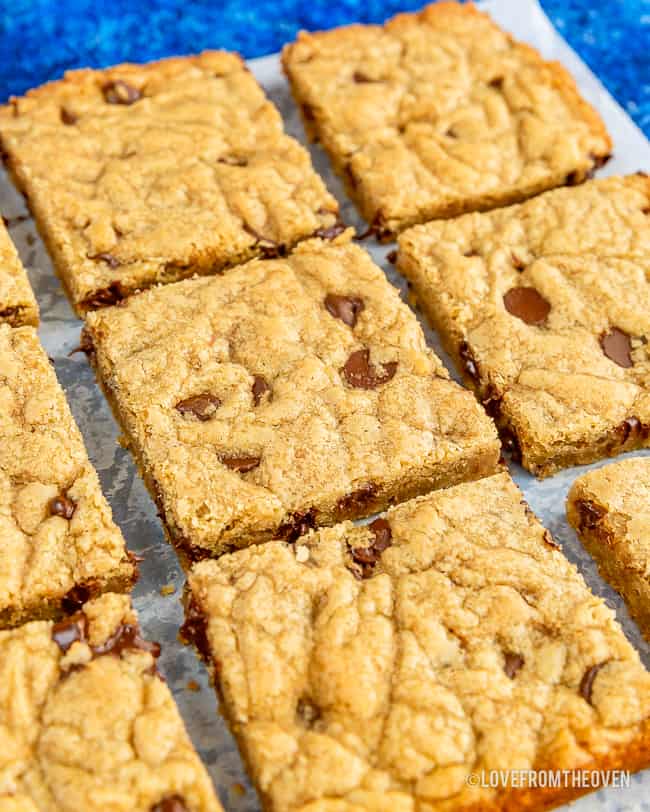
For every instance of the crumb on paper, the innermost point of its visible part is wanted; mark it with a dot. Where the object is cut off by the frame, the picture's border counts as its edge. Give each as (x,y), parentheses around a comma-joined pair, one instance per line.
(193,685)
(238,789)
(167,589)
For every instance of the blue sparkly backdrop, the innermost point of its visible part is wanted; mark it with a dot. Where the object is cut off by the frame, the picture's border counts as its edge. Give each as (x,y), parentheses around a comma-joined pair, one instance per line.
(39,39)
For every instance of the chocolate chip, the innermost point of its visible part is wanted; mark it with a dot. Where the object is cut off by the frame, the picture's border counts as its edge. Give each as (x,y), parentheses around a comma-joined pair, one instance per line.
(383,534)
(346,308)
(518,263)
(362,79)
(631,427)
(119,92)
(512,663)
(270,248)
(331,232)
(85,345)
(601,160)
(617,347)
(232,160)
(171,803)
(68,117)
(356,501)
(527,304)
(391,256)
(260,388)
(308,112)
(590,514)
(470,365)
(109,259)
(195,629)
(126,636)
(492,402)
(496,83)
(76,597)
(203,406)
(574,178)
(308,713)
(69,631)
(361,374)
(377,229)
(587,681)
(366,557)
(104,297)
(299,523)
(241,464)
(511,445)
(62,506)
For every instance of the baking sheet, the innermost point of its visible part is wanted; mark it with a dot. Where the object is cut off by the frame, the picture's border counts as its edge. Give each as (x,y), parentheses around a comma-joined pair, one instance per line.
(161,614)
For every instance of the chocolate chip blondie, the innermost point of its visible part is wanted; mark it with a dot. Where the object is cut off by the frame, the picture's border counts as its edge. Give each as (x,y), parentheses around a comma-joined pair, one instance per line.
(58,542)
(140,174)
(17,302)
(545,309)
(386,666)
(610,511)
(284,394)
(439,113)
(87,723)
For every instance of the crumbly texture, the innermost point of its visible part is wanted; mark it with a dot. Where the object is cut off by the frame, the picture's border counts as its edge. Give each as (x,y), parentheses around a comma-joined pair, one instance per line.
(141,174)
(58,542)
(87,723)
(544,307)
(17,303)
(284,394)
(439,113)
(377,667)
(610,510)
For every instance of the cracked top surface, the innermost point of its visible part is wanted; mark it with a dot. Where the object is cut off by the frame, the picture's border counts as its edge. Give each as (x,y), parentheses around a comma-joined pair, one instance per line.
(56,530)
(569,363)
(441,112)
(284,385)
(469,643)
(86,722)
(146,173)
(17,302)
(619,500)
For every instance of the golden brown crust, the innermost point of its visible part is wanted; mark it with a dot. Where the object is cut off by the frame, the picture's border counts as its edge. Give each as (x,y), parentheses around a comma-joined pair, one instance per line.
(143,174)
(560,396)
(354,411)
(58,542)
(391,677)
(440,112)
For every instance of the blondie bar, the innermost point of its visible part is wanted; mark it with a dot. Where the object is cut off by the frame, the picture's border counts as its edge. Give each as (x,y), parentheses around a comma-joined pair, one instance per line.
(58,543)
(439,113)
(140,174)
(610,510)
(284,394)
(87,724)
(17,303)
(545,308)
(386,667)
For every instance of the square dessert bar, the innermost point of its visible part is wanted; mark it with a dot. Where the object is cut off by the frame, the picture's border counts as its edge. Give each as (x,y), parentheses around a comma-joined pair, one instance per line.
(284,394)
(58,542)
(610,511)
(545,308)
(382,667)
(88,724)
(17,303)
(140,174)
(439,113)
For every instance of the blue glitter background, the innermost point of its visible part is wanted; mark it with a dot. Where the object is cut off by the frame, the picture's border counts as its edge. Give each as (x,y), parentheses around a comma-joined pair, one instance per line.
(39,39)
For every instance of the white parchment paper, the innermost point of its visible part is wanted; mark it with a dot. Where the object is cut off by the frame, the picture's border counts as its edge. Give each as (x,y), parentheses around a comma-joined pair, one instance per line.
(161,615)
